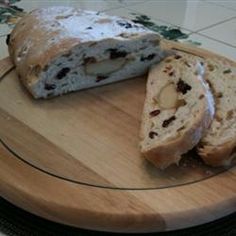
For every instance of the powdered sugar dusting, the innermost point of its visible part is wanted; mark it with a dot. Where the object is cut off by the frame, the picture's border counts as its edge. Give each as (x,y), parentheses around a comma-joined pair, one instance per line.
(86,25)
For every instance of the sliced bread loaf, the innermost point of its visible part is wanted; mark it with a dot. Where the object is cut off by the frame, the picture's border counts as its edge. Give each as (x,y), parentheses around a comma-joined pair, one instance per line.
(178,109)
(218,146)
(61,49)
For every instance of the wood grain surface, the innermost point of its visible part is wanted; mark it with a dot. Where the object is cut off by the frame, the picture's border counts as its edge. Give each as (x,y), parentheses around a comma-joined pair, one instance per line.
(75,159)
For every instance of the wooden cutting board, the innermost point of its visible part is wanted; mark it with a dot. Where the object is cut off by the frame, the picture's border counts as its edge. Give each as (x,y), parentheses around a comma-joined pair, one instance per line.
(75,160)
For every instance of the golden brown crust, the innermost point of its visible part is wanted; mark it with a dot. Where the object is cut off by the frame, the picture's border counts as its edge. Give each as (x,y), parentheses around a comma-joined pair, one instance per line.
(29,33)
(221,155)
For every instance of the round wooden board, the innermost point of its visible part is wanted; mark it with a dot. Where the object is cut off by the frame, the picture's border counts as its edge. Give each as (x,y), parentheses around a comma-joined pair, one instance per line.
(75,160)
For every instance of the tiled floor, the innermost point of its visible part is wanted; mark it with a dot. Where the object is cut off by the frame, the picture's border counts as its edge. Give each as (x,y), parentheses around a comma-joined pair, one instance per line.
(209,23)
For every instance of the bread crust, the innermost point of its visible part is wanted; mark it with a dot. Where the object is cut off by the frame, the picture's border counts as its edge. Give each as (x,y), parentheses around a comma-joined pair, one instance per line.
(221,155)
(32,35)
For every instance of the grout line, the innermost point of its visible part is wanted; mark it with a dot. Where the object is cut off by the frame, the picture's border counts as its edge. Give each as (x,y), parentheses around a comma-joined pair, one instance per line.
(215,24)
(112,8)
(217,40)
(190,31)
(134,4)
(220,5)
(125,4)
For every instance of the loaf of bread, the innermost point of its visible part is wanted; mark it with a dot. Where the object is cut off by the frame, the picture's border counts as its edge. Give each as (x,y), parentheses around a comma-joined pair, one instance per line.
(218,146)
(61,49)
(178,109)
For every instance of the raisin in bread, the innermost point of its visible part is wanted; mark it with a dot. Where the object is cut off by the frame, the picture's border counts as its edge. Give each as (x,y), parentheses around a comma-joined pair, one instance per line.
(61,49)
(178,109)
(218,146)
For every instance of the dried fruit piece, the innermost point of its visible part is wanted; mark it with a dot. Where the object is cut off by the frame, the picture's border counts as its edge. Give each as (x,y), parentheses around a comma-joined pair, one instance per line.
(183,87)
(89,60)
(229,115)
(187,64)
(35,70)
(201,96)
(125,24)
(115,53)
(180,103)
(171,73)
(168,60)
(148,58)
(219,95)
(49,86)
(168,67)
(177,57)
(168,121)
(180,128)
(227,71)
(152,134)
(218,116)
(101,77)
(210,67)
(154,113)
(62,73)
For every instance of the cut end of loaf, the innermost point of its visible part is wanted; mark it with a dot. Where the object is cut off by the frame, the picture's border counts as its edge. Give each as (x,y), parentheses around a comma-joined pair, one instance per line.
(178,108)
(55,53)
(93,65)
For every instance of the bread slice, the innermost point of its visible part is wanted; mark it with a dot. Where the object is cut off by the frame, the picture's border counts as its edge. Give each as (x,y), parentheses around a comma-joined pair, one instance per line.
(218,146)
(178,109)
(57,50)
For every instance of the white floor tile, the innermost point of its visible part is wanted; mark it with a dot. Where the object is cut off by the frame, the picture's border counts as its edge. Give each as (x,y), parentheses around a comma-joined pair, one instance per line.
(128,2)
(3,48)
(229,4)
(225,32)
(96,5)
(4,29)
(125,12)
(191,15)
(214,46)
